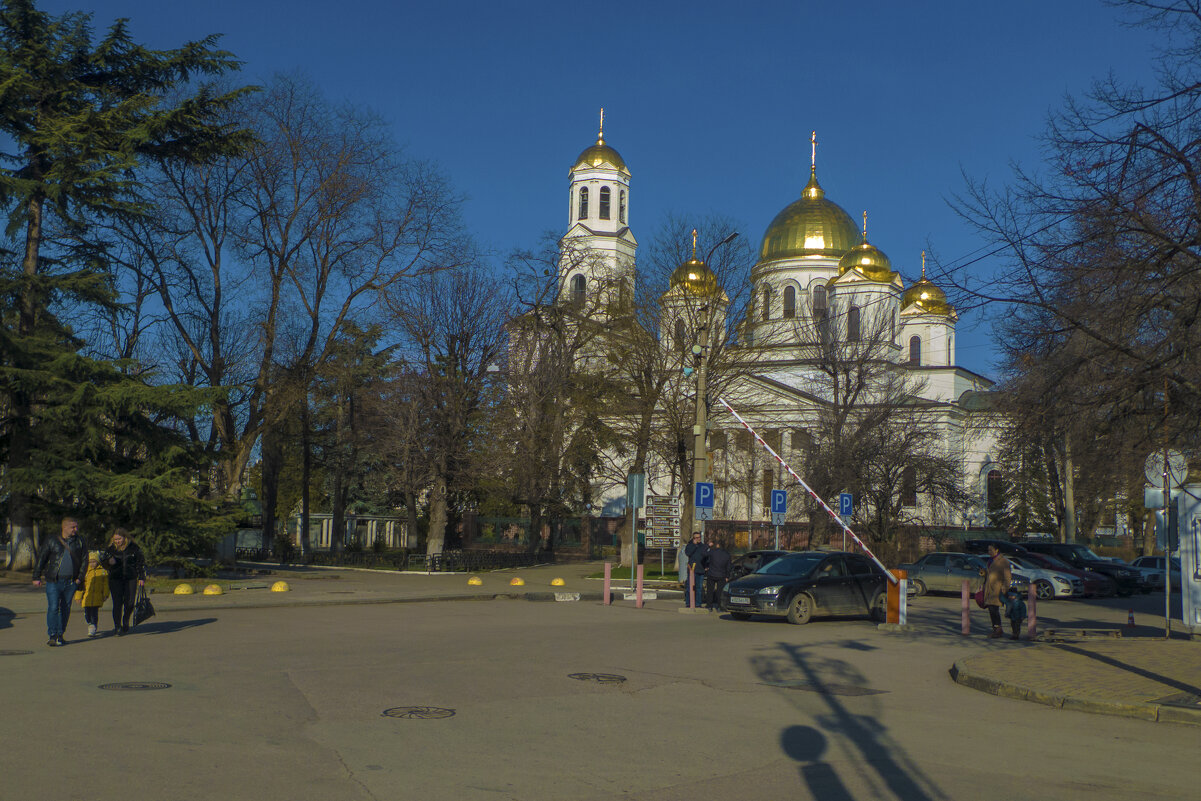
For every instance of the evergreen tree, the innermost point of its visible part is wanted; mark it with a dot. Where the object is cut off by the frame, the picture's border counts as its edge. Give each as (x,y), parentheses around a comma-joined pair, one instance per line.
(80,117)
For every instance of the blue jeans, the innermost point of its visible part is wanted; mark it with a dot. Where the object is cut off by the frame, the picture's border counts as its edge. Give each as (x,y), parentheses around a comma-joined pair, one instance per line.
(698,590)
(58,605)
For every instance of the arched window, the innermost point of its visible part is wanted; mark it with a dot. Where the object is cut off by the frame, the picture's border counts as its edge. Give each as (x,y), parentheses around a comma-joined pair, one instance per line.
(679,335)
(621,207)
(819,301)
(789,302)
(766,303)
(909,486)
(604,203)
(853,324)
(915,350)
(578,285)
(995,495)
(583,215)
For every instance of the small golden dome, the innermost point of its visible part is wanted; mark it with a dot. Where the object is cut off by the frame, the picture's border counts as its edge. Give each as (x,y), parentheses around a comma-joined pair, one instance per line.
(926,296)
(811,226)
(599,155)
(695,278)
(869,260)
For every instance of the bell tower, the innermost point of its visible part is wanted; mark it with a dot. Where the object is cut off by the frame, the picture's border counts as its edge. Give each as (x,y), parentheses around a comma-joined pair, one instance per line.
(596,255)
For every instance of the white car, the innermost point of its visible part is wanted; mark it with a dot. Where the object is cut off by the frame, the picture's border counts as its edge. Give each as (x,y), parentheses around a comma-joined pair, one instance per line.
(1048,584)
(1152,569)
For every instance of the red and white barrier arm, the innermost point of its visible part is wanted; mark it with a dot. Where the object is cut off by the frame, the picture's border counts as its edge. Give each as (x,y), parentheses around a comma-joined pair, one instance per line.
(808,489)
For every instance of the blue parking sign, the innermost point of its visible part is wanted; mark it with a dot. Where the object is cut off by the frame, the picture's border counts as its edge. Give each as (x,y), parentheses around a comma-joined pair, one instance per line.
(779,502)
(846,504)
(704,495)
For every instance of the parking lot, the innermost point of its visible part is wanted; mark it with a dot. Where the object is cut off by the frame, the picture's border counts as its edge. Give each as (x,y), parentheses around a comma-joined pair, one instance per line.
(522,700)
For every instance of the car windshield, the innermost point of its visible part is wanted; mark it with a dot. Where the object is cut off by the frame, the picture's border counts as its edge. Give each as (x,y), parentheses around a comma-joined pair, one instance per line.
(1084,552)
(795,565)
(1054,564)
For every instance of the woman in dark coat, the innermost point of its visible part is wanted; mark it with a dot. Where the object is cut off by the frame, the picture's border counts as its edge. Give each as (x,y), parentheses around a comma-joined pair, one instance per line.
(126,572)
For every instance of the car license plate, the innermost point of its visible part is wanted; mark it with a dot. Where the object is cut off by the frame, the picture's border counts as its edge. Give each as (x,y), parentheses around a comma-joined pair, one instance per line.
(737,600)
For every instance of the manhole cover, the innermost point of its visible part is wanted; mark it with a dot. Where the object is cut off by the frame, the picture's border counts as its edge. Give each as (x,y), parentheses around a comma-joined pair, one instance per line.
(1187,700)
(599,678)
(419,712)
(15,653)
(825,689)
(135,685)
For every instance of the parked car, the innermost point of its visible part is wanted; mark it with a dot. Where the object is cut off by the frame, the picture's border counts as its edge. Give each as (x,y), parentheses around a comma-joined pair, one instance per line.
(1152,568)
(1127,578)
(1095,584)
(981,546)
(751,561)
(1047,583)
(945,571)
(803,584)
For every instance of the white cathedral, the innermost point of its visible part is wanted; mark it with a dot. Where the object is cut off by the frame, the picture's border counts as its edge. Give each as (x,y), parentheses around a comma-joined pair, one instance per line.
(816,275)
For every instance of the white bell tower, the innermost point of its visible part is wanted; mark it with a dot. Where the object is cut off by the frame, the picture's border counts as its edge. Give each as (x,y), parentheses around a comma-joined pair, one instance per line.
(596,261)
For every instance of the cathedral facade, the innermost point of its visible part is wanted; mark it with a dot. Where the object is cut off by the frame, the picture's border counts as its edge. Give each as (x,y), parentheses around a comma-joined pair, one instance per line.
(820,293)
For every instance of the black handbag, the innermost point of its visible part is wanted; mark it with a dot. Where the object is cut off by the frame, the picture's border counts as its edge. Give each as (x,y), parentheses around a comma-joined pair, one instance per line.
(143,610)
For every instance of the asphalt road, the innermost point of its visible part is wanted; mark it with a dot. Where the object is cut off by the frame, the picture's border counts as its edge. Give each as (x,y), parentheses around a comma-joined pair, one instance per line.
(289,703)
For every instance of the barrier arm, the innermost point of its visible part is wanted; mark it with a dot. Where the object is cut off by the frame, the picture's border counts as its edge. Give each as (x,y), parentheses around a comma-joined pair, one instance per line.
(854,537)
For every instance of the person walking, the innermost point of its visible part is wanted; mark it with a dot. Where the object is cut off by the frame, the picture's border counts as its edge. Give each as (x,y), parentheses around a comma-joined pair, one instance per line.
(997,579)
(60,564)
(126,572)
(717,573)
(94,592)
(696,552)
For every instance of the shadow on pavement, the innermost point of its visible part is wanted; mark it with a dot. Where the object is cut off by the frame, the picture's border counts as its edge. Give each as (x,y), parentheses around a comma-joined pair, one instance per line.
(6,617)
(170,626)
(884,763)
(1119,664)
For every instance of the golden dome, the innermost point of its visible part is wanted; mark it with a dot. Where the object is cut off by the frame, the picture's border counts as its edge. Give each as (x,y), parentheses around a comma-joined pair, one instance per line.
(867,259)
(601,154)
(809,227)
(926,296)
(695,278)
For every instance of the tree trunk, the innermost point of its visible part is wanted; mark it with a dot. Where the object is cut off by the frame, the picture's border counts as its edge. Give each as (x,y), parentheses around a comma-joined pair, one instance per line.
(306,473)
(1069,492)
(338,507)
(437,535)
(272,465)
(411,509)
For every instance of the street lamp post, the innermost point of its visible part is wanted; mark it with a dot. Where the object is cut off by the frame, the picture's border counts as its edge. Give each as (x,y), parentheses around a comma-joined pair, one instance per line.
(700,459)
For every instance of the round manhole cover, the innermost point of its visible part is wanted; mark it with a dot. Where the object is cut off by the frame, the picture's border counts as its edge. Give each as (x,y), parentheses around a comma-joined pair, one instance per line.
(135,685)
(15,653)
(599,678)
(419,712)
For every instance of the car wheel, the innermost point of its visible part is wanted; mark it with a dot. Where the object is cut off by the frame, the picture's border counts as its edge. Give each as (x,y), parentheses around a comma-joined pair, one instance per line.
(1044,589)
(919,587)
(801,609)
(1124,592)
(878,611)
(740,616)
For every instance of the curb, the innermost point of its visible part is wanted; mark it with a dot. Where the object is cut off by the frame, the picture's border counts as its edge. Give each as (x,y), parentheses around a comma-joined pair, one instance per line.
(1157,713)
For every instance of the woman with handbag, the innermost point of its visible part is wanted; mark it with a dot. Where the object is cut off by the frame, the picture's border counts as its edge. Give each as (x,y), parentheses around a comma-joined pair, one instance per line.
(997,579)
(126,573)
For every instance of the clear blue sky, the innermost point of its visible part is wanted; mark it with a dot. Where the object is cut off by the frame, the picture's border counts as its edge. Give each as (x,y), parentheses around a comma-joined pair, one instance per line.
(710,104)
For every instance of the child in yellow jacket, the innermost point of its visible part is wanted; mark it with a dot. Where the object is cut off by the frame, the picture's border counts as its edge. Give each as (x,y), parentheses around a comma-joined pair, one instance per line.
(94,592)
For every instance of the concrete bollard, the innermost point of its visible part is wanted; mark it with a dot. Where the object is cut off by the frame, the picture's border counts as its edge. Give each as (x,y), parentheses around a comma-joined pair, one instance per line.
(966,622)
(608,581)
(1031,614)
(638,592)
(691,589)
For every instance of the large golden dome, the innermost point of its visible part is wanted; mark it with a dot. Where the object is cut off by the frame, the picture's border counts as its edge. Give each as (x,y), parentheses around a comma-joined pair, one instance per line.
(695,278)
(809,227)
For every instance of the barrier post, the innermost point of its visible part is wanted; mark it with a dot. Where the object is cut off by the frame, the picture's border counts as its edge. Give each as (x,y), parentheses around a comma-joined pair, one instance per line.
(1031,613)
(691,589)
(895,591)
(966,593)
(638,592)
(608,579)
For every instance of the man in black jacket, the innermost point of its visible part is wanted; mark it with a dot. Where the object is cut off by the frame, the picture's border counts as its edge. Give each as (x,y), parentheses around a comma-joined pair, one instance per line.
(717,573)
(62,562)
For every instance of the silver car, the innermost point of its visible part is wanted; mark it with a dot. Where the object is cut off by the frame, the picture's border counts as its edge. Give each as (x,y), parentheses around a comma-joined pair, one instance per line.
(1048,584)
(945,572)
